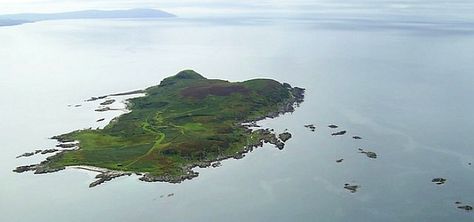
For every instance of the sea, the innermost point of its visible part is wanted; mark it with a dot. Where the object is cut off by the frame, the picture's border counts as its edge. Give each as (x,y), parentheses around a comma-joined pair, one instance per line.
(406,87)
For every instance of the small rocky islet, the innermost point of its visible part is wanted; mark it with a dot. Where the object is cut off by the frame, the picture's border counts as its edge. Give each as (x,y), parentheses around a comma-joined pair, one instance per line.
(340,133)
(311,127)
(351,187)
(107,102)
(439,180)
(369,154)
(209,123)
(462,206)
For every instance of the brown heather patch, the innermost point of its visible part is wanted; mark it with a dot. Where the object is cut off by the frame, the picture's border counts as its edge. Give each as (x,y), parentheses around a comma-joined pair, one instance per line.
(202,91)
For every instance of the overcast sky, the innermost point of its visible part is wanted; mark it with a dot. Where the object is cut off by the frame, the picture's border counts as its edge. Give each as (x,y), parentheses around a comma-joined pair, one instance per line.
(442,9)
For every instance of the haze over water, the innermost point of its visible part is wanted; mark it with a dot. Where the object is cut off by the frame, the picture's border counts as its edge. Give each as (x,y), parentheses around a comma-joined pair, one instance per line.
(403,81)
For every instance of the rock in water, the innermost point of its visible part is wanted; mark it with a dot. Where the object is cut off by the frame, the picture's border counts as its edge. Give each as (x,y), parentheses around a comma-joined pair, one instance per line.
(285,136)
(439,181)
(332,126)
(369,154)
(46,151)
(104,109)
(22,169)
(357,137)
(26,154)
(465,207)
(340,133)
(351,188)
(107,102)
(107,176)
(311,127)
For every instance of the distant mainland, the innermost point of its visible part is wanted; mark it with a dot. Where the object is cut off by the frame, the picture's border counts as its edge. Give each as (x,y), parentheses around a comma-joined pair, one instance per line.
(18,19)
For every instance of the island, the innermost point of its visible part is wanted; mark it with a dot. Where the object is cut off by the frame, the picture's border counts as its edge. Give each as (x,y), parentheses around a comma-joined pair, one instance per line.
(186,121)
(11,22)
(17,19)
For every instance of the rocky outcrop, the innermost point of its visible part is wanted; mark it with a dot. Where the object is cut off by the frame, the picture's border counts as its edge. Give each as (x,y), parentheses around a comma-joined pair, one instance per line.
(463,206)
(27,154)
(46,151)
(169,178)
(351,188)
(103,109)
(107,102)
(311,127)
(340,133)
(67,145)
(285,136)
(25,168)
(44,168)
(439,181)
(96,98)
(107,176)
(369,154)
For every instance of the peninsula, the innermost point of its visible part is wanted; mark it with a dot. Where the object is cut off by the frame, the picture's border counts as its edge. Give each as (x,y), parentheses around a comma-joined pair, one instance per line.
(17,19)
(184,122)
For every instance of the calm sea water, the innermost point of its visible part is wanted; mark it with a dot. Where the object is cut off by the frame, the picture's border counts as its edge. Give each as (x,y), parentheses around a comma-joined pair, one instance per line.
(406,90)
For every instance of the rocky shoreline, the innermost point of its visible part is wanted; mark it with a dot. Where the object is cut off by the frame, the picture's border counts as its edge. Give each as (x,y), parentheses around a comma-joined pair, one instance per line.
(265,136)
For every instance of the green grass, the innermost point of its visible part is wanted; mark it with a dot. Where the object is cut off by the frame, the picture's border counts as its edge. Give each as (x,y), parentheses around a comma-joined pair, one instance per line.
(185,119)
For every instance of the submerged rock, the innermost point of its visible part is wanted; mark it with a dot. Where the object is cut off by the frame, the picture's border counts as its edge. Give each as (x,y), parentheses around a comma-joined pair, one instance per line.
(340,133)
(369,154)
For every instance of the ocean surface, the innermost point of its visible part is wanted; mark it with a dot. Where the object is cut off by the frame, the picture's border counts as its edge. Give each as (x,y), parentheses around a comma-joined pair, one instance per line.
(406,88)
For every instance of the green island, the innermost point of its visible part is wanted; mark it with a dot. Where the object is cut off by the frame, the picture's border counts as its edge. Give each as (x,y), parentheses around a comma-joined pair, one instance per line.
(184,122)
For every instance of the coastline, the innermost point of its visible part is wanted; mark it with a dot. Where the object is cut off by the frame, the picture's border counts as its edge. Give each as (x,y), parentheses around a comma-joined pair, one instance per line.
(104,174)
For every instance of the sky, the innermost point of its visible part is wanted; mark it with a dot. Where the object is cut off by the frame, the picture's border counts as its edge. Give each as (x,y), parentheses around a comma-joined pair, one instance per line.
(441,9)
